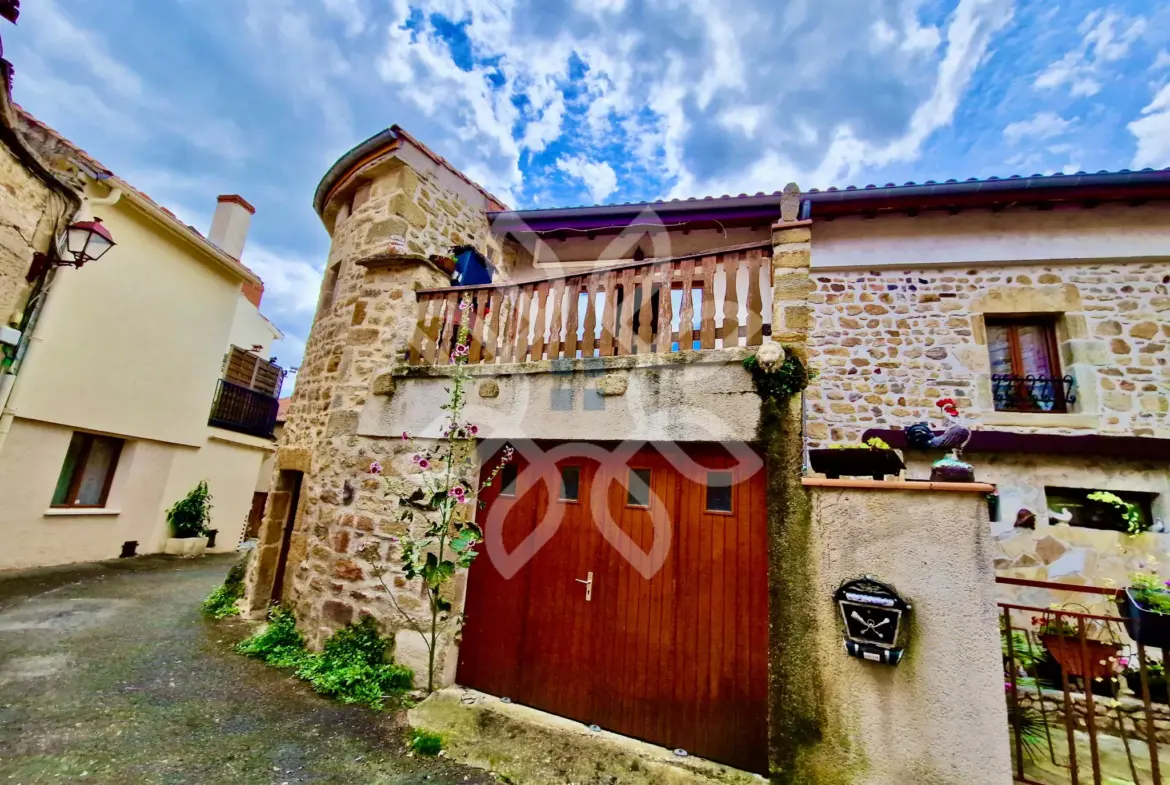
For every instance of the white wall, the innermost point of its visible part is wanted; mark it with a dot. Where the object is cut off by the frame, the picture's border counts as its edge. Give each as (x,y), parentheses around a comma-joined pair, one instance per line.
(250,328)
(981,236)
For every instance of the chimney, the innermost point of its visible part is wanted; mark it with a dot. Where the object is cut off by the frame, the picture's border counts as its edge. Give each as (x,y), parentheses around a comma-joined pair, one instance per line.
(229,226)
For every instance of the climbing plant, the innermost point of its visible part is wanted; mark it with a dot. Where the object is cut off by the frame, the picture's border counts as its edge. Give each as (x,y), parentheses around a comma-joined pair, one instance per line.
(777,381)
(439,515)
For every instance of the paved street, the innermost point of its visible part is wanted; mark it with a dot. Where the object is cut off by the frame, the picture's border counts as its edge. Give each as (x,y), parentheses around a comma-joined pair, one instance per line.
(109,674)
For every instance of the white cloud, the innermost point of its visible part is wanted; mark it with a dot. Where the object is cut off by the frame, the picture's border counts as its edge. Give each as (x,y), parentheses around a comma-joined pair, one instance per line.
(1043,125)
(1161,61)
(349,12)
(1106,38)
(598,176)
(1152,130)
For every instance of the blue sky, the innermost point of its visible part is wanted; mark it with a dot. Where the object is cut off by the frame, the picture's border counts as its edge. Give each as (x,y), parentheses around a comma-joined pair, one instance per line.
(564,102)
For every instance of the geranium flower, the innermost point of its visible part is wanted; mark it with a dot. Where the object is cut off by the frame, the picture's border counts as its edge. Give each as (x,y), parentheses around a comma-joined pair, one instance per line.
(942,402)
(375,468)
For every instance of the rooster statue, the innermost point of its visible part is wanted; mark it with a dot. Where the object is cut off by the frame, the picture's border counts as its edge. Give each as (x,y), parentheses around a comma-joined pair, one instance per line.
(956,436)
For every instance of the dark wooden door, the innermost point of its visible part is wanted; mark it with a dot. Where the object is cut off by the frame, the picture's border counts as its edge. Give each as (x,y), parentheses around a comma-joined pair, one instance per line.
(671,646)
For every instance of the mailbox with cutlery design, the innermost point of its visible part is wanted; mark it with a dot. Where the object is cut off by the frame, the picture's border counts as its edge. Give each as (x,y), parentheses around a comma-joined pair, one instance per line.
(876,620)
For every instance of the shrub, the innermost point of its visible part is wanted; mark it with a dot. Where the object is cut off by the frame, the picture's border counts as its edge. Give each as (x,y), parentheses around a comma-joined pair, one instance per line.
(279,644)
(221,603)
(353,667)
(426,742)
(190,515)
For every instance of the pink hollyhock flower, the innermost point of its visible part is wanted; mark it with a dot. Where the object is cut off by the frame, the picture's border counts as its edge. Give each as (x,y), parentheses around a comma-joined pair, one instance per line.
(474,429)
(405,436)
(375,468)
(423,463)
(416,458)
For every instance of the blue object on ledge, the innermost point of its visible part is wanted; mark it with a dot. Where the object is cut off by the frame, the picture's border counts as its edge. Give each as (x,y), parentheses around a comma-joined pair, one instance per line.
(471,268)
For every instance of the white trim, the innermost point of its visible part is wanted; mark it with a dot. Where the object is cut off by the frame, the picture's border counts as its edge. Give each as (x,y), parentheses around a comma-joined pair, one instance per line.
(53,512)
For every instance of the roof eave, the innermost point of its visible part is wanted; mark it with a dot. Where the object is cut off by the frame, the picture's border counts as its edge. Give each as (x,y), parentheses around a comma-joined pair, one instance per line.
(346,163)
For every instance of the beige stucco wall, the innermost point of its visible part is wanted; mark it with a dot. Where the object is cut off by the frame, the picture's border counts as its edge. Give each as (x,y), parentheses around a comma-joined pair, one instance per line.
(939,717)
(131,344)
(29,467)
(250,328)
(981,236)
(229,462)
(692,396)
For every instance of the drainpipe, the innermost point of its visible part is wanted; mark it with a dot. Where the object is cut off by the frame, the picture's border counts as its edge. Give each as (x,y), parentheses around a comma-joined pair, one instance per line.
(9,382)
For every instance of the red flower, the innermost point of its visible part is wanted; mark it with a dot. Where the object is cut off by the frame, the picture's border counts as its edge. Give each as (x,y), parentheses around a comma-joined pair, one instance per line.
(941,402)
(952,411)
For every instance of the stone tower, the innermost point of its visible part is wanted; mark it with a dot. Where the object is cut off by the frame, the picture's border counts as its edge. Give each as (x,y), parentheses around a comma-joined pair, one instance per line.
(389,205)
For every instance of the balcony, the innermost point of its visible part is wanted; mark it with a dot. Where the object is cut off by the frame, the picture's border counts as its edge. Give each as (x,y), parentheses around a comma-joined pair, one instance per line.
(699,301)
(1032,393)
(243,410)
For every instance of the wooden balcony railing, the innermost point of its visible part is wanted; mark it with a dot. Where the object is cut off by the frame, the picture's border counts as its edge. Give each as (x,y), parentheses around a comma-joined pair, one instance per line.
(716,300)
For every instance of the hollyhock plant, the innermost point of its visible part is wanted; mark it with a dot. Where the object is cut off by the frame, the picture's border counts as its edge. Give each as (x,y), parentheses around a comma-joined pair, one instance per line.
(441,530)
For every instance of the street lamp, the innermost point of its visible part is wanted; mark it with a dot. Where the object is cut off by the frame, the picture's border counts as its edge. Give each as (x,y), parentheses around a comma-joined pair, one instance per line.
(87,241)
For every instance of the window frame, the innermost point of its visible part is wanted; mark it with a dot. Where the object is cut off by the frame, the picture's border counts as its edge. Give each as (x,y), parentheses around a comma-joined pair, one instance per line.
(78,472)
(1012,325)
(649,486)
(707,492)
(509,466)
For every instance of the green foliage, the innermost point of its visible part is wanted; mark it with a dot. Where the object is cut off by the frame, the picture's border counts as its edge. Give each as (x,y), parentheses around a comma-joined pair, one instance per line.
(875,443)
(1150,592)
(352,668)
(1130,513)
(221,603)
(190,515)
(1026,655)
(426,742)
(279,644)
(1031,725)
(782,383)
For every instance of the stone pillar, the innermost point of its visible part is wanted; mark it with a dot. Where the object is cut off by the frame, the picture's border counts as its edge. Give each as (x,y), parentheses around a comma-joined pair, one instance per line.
(791,257)
(940,715)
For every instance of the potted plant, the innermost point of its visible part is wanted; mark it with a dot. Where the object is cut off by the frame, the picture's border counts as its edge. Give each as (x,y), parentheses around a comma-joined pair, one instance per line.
(188,520)
(1145,606)
(1123,514)
(1156,677)
(1064,643)
(874,458)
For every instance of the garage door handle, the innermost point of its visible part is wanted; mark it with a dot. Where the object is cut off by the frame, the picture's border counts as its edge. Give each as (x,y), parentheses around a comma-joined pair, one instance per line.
(588,586)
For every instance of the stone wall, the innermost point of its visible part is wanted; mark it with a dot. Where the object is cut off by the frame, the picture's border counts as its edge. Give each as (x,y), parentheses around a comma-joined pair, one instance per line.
(347,518)
(887,344)
(1129,713)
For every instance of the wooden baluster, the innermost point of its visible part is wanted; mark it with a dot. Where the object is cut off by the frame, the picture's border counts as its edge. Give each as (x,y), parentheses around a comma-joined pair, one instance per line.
(508,325)
(686,313)
(730,333)
(541,325)
(707,325)
(755,303)
(665,307)
(626,319)
(478,309)
(609,317)
(431,344)
(587,340)
(522,324)
(645,311)
(447,335)
(555,322)
(573,286)
(420,330)
(492,328)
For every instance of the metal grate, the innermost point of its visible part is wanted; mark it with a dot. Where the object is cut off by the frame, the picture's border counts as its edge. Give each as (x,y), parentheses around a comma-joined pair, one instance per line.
(1032,393)
(242,410)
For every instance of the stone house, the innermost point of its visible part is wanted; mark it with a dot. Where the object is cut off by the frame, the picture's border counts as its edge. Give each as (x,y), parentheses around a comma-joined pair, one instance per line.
(610,353)
(132,378)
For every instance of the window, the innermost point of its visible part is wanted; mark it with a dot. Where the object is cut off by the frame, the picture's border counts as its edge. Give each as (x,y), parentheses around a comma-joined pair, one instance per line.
(719,491)
(329,289)
(638,488)
(1072,506)
(1025,366)
(570,483)
(88,471)
(508,480)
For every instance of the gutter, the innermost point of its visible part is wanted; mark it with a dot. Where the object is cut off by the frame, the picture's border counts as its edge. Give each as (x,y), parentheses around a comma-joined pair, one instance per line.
(346,163)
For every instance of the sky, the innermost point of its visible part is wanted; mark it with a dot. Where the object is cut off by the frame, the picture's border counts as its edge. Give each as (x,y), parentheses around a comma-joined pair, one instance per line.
(568,102)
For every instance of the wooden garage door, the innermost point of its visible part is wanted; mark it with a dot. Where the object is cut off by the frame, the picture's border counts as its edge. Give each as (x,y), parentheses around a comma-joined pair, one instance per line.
(679,658)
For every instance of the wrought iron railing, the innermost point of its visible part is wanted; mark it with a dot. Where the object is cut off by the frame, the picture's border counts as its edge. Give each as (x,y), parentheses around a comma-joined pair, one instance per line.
(1032,393)
(1086,703)
(243,410)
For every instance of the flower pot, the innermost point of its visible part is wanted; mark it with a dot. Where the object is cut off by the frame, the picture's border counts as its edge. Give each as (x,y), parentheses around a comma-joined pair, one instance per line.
(1158,686)
(1144,626)
(187,547)
(1067,651)
(855,462)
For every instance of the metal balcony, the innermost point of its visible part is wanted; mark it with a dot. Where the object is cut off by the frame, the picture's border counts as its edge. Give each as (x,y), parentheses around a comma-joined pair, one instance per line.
(243,410)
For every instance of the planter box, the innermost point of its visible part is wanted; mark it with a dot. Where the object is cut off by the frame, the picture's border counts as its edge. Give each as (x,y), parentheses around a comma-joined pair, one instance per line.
(1067,652)
(187,547)
(1158,686)
(1145,627)
(856,462)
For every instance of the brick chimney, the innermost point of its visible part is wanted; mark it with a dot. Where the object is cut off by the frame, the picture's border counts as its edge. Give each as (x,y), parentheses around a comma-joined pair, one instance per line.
(229,226)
